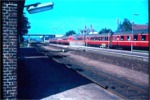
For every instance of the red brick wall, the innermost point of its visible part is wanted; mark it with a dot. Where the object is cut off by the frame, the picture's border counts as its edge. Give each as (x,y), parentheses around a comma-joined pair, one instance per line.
(10,30)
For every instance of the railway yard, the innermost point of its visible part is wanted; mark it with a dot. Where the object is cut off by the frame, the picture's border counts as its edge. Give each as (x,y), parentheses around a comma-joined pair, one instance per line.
(125,77)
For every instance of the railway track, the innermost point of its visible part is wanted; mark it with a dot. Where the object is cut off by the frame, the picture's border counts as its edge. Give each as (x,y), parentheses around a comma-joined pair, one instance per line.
(120,87)
(124,89)
(120,53)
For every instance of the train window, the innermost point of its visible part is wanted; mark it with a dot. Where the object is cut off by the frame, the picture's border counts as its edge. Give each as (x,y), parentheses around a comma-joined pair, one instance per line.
(122,38)
(74,38)
(65,39)
(79,38)
(96,38)
(128,38)
(135,37)
(103,38)
(100,38)
(106,38)
(87,38)
(114,38)
(143,37)
(92,38)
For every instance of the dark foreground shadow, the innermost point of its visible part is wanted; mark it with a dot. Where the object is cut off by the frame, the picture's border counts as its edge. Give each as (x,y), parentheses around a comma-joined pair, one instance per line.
(42,77)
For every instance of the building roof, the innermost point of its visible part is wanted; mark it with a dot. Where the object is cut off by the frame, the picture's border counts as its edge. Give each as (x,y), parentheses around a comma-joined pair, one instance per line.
(88,30)
(139,26)
(140,31)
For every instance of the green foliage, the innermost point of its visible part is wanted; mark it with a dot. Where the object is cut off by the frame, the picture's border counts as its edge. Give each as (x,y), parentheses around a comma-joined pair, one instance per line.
(104,30)
(71,32)
(25,25)
(125,25)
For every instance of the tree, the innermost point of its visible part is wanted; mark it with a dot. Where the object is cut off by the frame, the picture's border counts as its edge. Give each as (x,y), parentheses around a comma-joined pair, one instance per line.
(25,25)
(125,25)
(104,30)
(71,32)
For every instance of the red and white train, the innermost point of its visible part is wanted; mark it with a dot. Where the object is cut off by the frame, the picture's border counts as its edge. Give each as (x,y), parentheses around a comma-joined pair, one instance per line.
(138,39)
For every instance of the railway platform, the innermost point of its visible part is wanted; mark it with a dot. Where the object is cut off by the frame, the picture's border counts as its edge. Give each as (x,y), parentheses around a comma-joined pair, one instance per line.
(40,77)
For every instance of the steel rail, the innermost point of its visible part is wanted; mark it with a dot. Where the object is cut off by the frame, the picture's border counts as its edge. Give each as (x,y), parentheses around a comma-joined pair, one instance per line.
(130,88)
(113,80)
(122,53)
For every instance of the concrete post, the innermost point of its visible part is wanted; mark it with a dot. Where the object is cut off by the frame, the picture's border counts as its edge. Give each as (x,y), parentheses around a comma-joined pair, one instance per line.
(28,41)
(44,38)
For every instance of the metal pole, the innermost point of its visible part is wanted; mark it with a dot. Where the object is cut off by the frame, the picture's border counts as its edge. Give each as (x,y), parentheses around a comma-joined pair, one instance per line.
(44,38)
(108,40)
(132,39)
(85,40)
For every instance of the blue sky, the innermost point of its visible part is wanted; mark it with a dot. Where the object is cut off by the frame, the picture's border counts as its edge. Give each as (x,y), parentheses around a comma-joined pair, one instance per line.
(75,14)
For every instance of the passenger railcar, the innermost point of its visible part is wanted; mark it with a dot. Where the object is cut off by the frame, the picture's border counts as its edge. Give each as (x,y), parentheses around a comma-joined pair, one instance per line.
(137,38)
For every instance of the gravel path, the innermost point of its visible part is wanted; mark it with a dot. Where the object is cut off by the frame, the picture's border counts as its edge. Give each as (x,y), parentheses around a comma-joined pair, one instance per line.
(122,62)
(132,70)
(117,71)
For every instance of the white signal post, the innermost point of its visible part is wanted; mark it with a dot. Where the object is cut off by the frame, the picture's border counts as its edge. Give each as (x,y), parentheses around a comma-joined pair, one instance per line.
(108,40)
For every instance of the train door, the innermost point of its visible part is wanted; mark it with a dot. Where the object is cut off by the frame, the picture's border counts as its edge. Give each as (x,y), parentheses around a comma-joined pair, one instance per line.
(87,40)
(122,41)
(128,41)
(114,41)
(118,38)
(135,41)
(143,41)
(110,40)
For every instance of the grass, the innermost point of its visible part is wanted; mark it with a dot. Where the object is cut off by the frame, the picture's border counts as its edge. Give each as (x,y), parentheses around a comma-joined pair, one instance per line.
(143,51)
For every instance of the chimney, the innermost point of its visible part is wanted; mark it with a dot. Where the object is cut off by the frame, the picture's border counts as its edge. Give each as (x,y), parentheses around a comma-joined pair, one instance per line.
(91,26)
(85,27)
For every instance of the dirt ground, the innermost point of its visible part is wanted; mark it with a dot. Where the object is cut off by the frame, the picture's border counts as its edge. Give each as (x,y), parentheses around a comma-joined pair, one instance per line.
(132,70)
